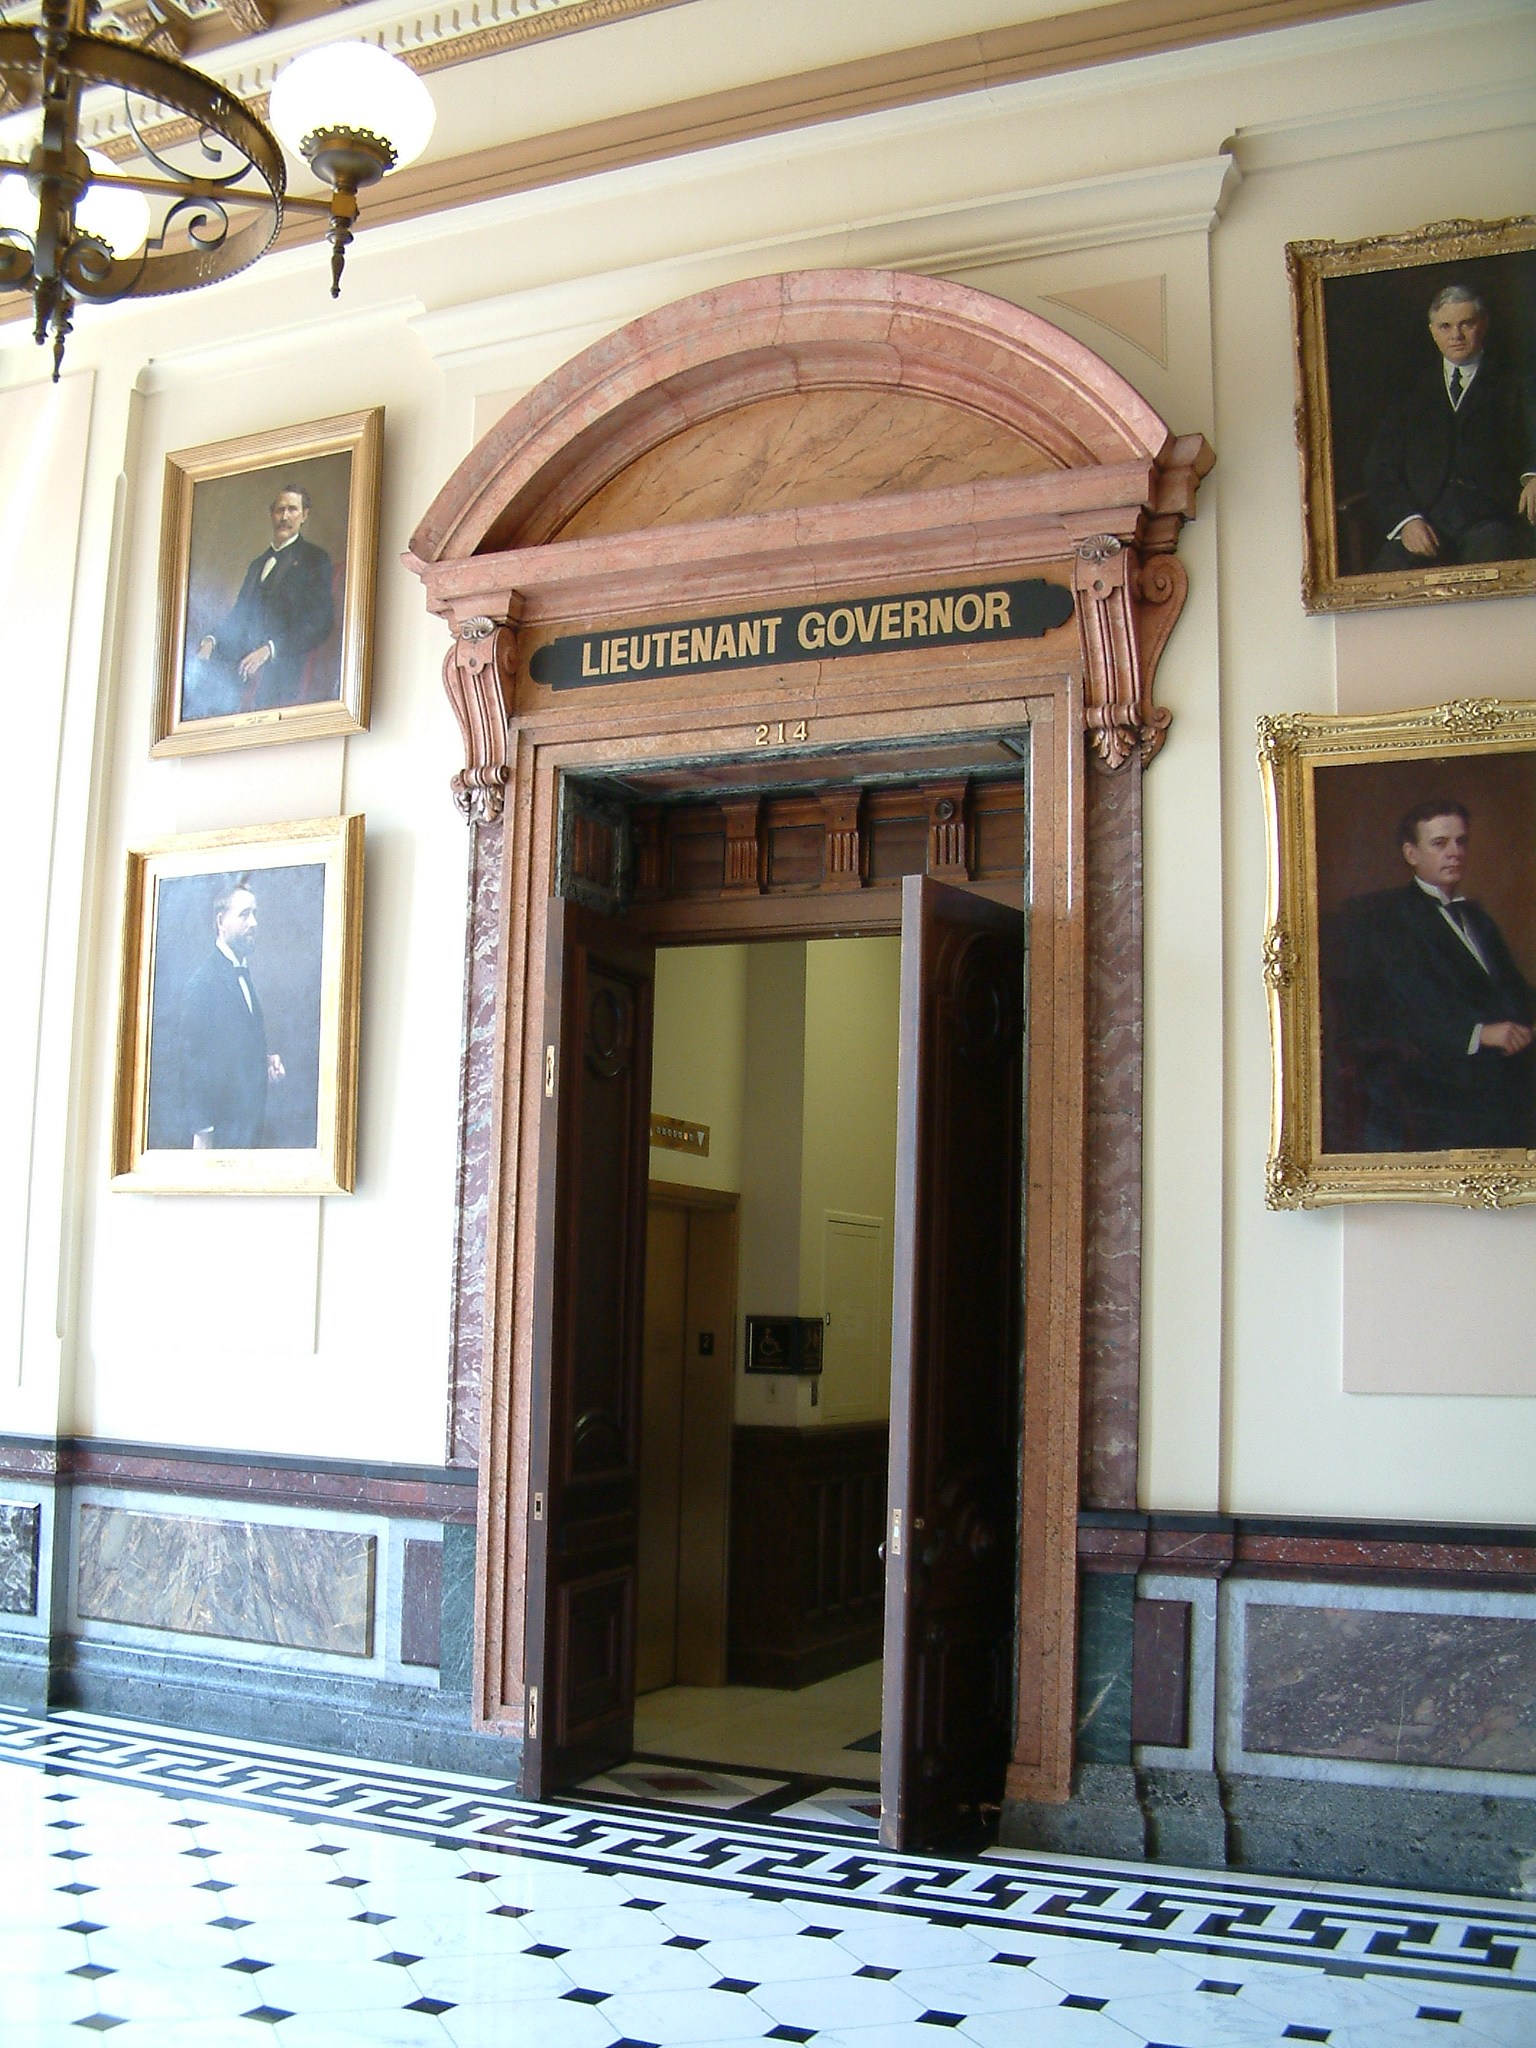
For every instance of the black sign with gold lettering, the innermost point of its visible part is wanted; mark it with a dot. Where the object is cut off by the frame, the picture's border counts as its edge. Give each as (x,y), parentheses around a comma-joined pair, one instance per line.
(934,618)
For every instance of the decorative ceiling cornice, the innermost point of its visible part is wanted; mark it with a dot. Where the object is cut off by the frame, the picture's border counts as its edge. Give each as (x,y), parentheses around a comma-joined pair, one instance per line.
(242,43)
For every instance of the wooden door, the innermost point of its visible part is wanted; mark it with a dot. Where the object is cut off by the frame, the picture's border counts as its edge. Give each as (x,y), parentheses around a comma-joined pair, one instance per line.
(952,1512)
(584,1462)
(685,1440)
(661,1444)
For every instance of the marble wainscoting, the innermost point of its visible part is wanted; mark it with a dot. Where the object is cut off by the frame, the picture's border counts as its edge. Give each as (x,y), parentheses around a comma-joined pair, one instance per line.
(27,1514)
(1427,1681)
(20,1530)
(1357,1701)
(250,1582)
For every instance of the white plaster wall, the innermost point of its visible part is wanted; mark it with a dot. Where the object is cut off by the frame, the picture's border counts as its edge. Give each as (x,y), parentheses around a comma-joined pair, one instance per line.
(1293,1441)
(1195,167)
(44,436)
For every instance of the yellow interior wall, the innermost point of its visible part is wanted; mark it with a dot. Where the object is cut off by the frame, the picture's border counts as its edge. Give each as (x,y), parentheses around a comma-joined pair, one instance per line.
(852,992)
(788,1052)
(698,1069)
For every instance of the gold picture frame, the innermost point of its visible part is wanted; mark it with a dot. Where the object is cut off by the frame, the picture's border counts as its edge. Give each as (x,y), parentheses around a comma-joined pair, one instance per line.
(1379,1070)
(1368,411)
(305,606)
(237,1040)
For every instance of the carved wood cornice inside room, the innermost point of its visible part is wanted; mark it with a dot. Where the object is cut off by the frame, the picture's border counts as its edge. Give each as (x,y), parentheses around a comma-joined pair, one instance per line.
(431,39)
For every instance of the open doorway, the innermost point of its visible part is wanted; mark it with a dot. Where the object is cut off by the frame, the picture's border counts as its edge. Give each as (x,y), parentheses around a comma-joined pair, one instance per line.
(767,1371)
(870,1509)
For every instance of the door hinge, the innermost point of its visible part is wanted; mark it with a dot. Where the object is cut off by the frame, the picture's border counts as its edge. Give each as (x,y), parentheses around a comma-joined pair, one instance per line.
(895,1532)
(533,1713)
(549,1070)
(538,1507)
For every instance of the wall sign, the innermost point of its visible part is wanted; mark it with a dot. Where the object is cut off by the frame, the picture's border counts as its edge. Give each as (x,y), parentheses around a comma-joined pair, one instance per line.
(674,1135)
(934,618)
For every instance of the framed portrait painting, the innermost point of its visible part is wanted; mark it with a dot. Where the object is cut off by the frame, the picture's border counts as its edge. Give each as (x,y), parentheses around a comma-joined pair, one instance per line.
(237,1046)
(1400,955)
(267,551)
(1416,414)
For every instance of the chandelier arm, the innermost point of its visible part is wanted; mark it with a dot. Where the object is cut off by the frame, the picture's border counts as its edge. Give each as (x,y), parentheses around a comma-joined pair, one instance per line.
(97,60)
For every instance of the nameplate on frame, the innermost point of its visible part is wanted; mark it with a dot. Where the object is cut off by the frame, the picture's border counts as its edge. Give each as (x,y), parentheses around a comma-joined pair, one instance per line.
(810,632)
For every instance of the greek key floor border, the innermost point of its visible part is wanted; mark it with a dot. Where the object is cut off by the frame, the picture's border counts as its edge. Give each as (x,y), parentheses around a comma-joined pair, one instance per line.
(1339,1929)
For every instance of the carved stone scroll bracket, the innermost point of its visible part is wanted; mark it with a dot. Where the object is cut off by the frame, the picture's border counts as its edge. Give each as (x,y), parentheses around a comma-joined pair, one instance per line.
(1117,707)
(478,673)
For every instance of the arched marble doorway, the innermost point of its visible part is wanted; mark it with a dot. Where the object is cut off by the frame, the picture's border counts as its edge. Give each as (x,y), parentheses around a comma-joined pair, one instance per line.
(843,457)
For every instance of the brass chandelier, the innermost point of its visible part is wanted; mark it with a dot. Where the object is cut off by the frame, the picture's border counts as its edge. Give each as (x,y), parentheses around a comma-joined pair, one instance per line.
(76,228)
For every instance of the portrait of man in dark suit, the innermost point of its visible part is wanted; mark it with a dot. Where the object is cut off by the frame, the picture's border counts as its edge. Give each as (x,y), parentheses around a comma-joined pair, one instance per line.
(1416,369)
(1428,1020)
(226,1065)
(255,659)
(1451,472)
(235,1025)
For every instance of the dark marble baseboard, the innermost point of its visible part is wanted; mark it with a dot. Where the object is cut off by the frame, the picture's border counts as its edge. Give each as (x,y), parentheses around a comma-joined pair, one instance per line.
(25,1672)
(1382,1553)
(1288,1827)
(339,1712)
(435,1493)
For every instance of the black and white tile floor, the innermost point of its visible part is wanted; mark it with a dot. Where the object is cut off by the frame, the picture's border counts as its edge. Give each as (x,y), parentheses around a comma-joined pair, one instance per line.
(184,1891)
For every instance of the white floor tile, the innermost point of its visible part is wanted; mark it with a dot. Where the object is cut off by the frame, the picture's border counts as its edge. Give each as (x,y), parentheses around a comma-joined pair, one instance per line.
(786,1959)
(707,1916)
(503,1981)
(842,1951)
(897,1942)
(46,2034)
(675,2017)
(540,2023)
(980,1987)
(31,2000)
(337,1987)
(360,2030)
(37,1952)
(1048,2027)
(837,2002)
(1103,1971)
(606,1927)
(1196,2019)
(162,1994)
(175,1948)
(644,1969)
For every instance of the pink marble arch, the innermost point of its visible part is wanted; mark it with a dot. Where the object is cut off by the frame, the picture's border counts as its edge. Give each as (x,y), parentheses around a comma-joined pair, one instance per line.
(726,350)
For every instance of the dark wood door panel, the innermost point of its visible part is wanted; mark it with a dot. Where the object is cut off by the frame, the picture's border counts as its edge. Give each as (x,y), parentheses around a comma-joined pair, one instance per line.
(956,1367)
(594,1629)
(586,1481)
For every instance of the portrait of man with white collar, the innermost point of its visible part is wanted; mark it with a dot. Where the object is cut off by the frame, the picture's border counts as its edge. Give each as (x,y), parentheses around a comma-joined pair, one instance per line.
(1451,472)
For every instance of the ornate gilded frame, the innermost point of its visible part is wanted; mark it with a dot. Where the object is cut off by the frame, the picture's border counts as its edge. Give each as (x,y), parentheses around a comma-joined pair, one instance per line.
(327,1168)
(189,472)
(1292,747)
(1313,267)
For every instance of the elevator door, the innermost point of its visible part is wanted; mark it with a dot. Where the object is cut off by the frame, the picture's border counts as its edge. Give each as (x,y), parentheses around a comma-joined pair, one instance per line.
(584,1472)
(955,1366)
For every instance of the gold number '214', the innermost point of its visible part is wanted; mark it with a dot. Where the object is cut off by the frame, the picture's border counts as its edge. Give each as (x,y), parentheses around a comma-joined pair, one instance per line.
(780,733)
